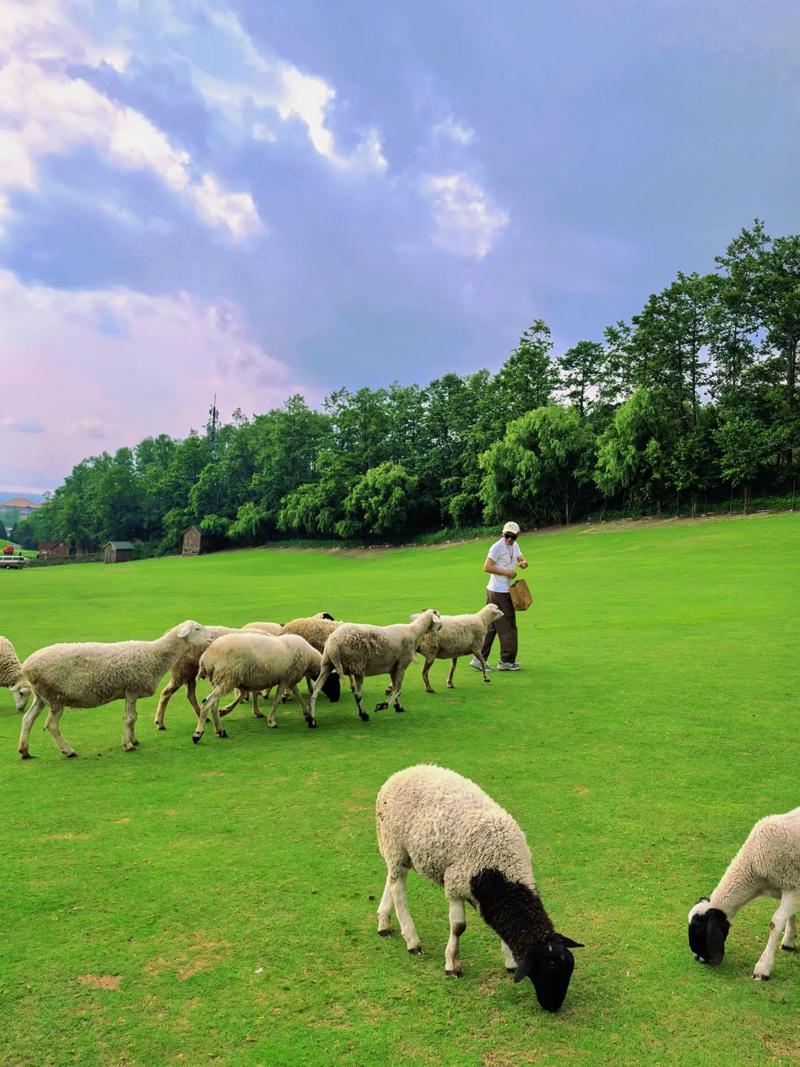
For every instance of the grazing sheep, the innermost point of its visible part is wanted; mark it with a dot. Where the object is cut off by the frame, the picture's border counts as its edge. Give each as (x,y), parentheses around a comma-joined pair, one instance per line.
(87,675)
(460,635)
(11,674)
(358,651)
(449,831)
(257,661)
(767,865)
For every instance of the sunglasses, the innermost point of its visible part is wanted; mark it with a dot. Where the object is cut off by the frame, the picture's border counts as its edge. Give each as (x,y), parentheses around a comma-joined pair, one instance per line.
(510,537)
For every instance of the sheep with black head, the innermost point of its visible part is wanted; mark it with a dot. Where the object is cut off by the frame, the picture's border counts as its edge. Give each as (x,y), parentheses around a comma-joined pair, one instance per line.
(767,864)
(443,826)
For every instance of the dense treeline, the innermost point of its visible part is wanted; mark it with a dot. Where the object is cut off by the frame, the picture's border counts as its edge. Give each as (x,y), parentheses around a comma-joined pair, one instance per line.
(692,400)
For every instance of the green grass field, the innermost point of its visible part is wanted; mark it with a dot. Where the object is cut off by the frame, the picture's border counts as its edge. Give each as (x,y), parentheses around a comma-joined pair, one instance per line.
(217,902)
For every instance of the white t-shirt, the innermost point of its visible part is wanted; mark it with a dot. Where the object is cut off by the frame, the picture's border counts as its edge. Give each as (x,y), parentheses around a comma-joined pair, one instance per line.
(506,556)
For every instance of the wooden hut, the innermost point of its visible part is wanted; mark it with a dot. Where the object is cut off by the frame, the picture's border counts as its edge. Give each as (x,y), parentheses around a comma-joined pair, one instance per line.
(53,549)
(117,552)
(193,543)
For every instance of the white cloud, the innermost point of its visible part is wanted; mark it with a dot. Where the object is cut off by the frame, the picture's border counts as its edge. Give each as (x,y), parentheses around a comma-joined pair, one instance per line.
(277,86)
(47,112)
(154,372)
(451,130)
(465,221)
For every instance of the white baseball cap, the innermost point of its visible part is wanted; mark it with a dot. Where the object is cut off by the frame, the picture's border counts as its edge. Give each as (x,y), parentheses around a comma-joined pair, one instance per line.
(511,527)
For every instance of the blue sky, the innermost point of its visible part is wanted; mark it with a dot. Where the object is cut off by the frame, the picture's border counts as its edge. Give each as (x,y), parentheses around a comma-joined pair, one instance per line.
(260,198)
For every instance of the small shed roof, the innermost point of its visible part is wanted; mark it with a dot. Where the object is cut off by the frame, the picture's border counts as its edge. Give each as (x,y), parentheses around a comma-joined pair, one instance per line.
(188,528)
(119,544)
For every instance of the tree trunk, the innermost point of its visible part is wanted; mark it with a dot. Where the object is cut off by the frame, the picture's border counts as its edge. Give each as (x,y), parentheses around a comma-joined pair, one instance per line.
(694,505)
(746,497)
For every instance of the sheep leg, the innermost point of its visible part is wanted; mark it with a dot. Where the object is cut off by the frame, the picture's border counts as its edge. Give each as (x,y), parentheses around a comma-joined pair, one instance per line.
(240,696)
(453,664)
(169,690)
(210,706)
(129,741)
(385,910)
(407,928)
(324,675)
(458,924)
(356,685)
(191,695)
(787,907)
(28,719)
(508,957)
(51,724)
(477,652)
(791,933)
(271,723)
(397,684)
(425,679)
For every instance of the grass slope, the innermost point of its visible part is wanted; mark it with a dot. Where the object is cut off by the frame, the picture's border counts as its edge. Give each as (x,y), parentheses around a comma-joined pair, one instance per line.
(187,904)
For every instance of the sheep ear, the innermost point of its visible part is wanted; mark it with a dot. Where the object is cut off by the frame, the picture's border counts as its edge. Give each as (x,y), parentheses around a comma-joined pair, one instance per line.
(569,943)
(716,932)
(416,616)
(184,629)
(525,967)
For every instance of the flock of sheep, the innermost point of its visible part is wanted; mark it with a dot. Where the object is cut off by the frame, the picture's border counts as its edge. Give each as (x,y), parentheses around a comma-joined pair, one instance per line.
(429,819)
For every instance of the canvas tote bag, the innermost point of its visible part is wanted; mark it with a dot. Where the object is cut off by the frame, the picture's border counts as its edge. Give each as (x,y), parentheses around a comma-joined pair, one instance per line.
(520,595)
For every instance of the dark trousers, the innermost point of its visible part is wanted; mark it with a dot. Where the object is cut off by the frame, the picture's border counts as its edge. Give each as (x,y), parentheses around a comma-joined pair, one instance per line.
(505,628)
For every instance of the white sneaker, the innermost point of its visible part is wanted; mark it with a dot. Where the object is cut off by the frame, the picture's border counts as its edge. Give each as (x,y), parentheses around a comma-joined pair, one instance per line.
(508,667)
(476,663)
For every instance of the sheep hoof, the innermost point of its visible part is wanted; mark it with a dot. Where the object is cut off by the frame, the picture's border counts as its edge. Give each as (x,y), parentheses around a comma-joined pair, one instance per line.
(511,970)
(71,755)
(271,725)
(399,707)
(382,706)
(789,948)
(363,716)
(416,951)
(312,724)
(258,714)
(222,733)
(453,974)
(384,933)
(160,726)
(761,977)
(196,737)
(26,755)
(487,680)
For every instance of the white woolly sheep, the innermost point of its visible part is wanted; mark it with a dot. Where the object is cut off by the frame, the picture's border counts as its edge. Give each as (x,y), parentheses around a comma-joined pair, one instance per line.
(184,672)
(316,629)
(460,635)
(444,827)
(767,865)
(89,674)
(11,674)
(257,661)
(357,651)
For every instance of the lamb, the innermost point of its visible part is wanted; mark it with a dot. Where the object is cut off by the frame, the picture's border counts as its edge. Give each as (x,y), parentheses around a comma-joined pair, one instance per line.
(460,635)
(449,831)
(257,661)
(767,864)
(89,674)
(356,650)
(11,674)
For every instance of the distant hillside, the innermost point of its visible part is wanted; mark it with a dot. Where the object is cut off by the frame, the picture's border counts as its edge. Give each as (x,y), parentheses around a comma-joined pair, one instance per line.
(35,497)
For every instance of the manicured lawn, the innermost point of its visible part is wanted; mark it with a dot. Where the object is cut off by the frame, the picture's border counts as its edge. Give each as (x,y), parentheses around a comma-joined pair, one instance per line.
(217,902)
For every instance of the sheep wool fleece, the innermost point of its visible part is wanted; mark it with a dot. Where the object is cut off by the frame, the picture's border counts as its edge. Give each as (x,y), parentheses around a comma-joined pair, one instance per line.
(448,830)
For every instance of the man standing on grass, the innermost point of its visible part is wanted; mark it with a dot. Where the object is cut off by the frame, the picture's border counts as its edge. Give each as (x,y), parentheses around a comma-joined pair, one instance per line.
(501,563)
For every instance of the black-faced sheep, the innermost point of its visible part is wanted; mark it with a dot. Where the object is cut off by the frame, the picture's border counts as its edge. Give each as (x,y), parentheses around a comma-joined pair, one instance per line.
(767,865)
(444,827)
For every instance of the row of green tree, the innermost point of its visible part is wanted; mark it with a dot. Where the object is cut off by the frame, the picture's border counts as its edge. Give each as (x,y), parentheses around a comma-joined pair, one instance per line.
(693,399)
